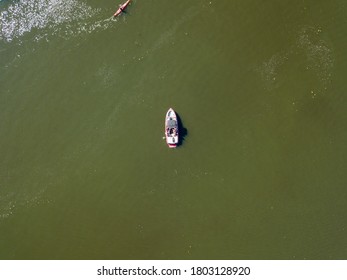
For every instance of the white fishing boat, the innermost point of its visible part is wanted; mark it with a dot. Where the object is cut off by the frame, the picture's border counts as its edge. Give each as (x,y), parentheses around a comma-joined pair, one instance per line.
(171,128)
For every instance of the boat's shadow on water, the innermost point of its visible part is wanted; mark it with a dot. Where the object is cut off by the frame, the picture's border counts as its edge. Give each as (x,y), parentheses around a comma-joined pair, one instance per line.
(183,132)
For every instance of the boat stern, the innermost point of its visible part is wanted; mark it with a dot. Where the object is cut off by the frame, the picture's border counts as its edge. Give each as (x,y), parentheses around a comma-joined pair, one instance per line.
(172,141)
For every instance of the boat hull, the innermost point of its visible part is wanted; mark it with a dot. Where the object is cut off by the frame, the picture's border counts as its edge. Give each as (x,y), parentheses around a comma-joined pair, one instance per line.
(171,129)
(122,7)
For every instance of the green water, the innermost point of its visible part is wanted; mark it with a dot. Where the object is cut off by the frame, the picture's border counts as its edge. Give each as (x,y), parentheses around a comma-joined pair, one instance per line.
(260,90)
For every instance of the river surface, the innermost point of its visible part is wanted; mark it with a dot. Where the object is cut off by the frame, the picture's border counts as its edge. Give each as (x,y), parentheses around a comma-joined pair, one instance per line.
(260,90)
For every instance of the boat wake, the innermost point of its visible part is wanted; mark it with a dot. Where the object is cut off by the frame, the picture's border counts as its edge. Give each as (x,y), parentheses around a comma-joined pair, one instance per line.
(316,57)
(11,202)
(47,18)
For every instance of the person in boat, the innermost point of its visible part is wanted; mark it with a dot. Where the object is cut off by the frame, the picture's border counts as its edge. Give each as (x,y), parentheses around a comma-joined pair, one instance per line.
(121,9)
